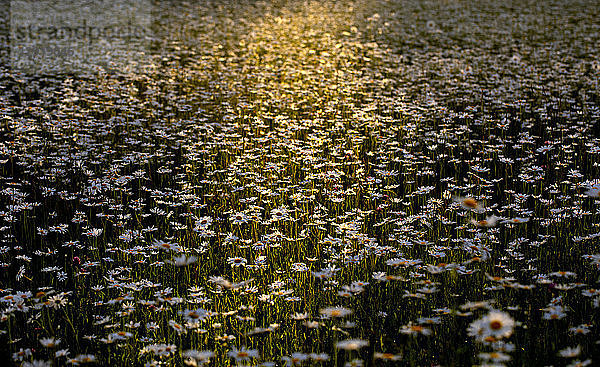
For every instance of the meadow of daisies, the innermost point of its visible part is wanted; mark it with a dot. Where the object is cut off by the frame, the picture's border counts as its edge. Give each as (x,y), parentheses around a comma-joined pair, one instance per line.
(360,183)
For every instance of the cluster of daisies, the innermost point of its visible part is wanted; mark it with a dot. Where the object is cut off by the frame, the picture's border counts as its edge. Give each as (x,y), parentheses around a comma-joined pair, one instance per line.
(311,183)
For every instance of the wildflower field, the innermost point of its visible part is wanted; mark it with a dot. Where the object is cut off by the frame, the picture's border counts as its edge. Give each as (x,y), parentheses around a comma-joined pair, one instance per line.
(311,183)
